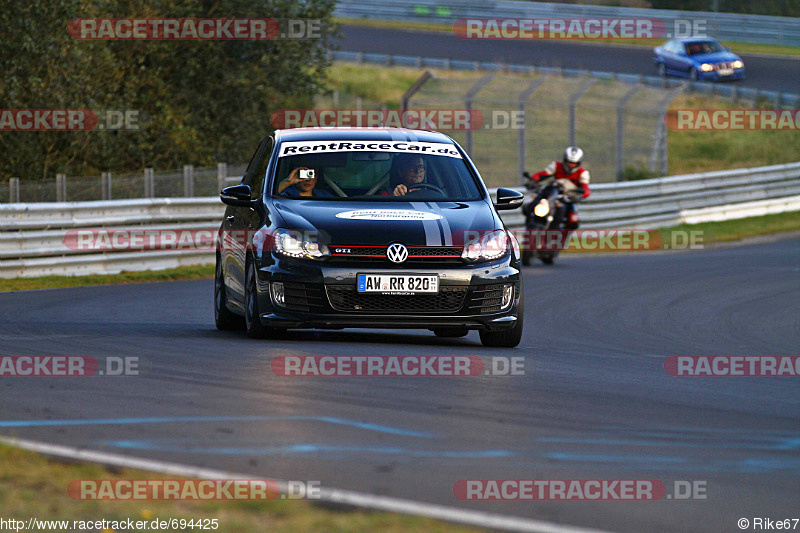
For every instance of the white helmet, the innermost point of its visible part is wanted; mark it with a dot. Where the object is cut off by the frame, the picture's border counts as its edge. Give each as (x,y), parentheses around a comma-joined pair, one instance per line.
(573,154)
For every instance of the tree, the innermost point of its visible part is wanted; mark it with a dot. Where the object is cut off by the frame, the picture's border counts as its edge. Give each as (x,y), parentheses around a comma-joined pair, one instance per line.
(198,101)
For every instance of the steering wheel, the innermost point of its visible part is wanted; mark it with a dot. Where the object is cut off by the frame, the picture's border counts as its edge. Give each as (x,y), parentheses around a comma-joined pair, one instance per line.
(425,186)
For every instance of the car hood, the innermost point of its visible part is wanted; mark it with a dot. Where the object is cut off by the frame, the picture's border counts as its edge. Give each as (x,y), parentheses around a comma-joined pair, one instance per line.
(382,223)
(716,57)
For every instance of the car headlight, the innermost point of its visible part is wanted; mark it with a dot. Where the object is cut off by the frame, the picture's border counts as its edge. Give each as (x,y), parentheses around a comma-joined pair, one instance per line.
(493,245)
(542,208)
(705,67)
(295,244)
(738,64)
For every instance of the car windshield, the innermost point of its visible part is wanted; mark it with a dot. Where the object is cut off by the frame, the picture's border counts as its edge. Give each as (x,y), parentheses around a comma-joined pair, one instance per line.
(373,171)
(703,47)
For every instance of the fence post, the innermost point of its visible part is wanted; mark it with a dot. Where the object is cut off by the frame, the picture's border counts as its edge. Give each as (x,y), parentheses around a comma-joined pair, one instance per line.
(13,190)
(573,100)
(523,100)
(61,187)
(416,86)
(659,159)
(188,181)
(222,175)
(621,129)
(105,185)
(474,90)
(149,183)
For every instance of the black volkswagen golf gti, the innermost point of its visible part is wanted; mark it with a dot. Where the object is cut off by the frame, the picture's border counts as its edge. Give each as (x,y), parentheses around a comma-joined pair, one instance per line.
(367,228)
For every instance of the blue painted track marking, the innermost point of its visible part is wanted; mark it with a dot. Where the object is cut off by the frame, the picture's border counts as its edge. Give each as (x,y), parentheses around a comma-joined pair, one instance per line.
(177,419)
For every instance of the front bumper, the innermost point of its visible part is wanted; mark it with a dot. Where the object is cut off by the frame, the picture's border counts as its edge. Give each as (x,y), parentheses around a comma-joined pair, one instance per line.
(313,297)
(738,74)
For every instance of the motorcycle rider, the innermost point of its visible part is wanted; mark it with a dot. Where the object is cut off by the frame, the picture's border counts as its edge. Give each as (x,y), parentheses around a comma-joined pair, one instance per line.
(572,176)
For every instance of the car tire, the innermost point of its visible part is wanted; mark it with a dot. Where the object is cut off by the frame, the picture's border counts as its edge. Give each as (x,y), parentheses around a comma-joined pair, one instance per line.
(224,318)
(693,74)
(509,338)
(547,259)
(451,333)
(255,329)
(662,70)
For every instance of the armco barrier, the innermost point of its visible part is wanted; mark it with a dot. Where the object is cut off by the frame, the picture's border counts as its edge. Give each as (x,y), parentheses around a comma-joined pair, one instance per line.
(32,235)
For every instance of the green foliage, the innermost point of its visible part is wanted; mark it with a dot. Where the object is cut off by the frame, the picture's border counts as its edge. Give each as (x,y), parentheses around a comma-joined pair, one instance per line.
(632,173)
(199,101)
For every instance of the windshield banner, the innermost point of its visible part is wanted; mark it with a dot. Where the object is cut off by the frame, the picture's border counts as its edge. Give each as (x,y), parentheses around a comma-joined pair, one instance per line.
(414,147)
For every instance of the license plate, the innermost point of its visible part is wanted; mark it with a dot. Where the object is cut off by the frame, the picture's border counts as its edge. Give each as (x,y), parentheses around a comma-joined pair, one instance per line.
(725,71)
(398,283)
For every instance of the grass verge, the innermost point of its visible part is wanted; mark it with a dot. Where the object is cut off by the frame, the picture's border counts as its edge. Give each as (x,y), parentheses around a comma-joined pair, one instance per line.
(703,235)
(702,151)
(736,47)
(147,276)
(36,486)
(735,230)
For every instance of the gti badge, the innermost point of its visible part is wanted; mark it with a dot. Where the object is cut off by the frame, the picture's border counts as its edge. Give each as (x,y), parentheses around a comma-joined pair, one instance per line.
(397,253)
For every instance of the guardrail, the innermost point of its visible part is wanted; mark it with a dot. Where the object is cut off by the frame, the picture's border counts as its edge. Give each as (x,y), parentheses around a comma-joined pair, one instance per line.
(725,26)
(33,236)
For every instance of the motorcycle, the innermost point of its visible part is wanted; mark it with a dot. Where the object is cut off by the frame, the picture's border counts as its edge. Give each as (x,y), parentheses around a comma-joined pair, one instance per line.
(546,213)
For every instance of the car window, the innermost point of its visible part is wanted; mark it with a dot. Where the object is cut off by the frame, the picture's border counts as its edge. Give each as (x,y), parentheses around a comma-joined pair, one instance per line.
(427,171)
(703,47)
(673,47)
(260,169)
(247,179)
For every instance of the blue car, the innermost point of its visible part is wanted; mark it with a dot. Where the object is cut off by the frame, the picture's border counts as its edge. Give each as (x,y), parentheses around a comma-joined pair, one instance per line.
(698,59)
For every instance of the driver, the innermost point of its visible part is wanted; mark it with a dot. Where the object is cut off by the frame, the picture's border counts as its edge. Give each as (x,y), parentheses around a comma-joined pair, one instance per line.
(407,170)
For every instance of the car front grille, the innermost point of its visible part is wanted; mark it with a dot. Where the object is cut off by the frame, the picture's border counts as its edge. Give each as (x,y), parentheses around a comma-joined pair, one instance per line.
(488,298)
(347,299)
(304,297)
(377,254)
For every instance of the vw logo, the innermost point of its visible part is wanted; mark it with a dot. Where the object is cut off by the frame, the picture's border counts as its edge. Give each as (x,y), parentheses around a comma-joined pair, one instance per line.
(397,253)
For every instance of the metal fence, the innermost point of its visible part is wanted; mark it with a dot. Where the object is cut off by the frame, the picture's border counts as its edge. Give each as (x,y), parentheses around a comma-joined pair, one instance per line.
(527,122)
(725,26)
(190,181)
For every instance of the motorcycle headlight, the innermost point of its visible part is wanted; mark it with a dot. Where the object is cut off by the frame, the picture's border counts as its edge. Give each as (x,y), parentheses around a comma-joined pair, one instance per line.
(296,244)
(542,208)
(493,245)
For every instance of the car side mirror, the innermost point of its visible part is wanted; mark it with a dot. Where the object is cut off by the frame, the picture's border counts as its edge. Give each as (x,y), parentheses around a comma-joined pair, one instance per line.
(728,48)
(237,195)
(508,199)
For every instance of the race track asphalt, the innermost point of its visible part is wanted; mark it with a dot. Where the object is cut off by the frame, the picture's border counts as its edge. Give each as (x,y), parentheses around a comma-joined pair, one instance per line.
(595,401)
(763,72)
